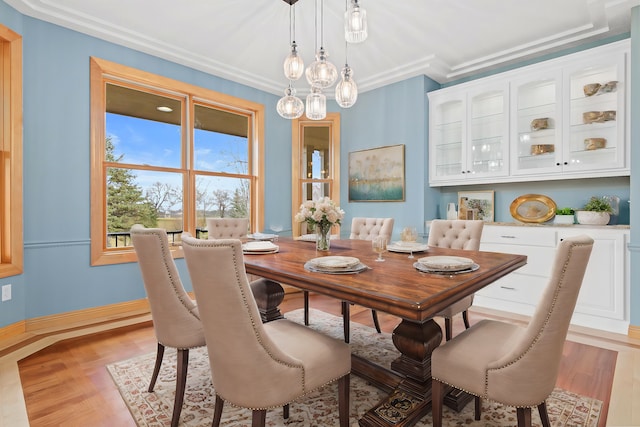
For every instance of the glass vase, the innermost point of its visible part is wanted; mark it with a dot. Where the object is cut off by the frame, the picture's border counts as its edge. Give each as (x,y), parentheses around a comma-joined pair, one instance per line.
(323,237)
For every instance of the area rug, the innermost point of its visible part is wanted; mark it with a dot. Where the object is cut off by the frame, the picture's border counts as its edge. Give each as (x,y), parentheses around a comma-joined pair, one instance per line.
(320,408)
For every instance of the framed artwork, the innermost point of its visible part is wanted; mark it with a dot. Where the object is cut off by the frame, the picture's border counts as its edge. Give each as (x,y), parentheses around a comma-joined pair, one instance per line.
(476,205)
(377,174)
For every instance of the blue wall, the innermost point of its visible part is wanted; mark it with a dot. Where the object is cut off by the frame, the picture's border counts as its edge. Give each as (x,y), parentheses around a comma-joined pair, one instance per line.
(58,277)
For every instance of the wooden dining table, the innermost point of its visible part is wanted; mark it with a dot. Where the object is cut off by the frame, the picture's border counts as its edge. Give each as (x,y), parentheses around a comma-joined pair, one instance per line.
(396,287)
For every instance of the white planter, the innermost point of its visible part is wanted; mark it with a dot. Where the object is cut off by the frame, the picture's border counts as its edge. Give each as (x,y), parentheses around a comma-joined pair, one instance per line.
(592,218)
(564,219)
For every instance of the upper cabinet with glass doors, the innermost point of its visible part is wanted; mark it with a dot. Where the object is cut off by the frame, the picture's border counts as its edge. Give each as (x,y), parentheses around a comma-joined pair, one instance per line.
(565,118)
(469,134)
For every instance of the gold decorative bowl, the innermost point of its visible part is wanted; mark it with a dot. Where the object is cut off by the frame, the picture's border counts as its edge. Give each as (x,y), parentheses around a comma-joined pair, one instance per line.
(591,88)
(592,116)
(539,124)
(594,143)
(542,149)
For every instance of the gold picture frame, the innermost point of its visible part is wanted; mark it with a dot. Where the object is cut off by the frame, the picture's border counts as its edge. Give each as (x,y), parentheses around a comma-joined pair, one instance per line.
(476,205)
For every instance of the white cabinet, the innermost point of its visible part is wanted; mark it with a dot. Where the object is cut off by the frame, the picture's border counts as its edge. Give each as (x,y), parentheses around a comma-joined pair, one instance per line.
(602,302)
(535,122)
(469,134)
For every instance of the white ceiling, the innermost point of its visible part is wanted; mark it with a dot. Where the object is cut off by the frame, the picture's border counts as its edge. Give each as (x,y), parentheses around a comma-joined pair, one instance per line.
(247,40)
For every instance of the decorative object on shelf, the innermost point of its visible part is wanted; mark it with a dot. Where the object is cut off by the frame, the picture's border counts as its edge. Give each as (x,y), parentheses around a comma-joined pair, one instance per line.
(533,208)
(539,124)
(564,216)
(476,205)
(321,74)
(320,215)
(591,89)
(609,87)
(369,181)
(452,212)
(595,212)
(614,201)
(537,149)
(594,143)
(592,117)
(609,115)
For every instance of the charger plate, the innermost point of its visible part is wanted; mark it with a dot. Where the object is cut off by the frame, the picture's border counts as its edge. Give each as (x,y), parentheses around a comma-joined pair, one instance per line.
(446,263)
(421,267)
(334,262)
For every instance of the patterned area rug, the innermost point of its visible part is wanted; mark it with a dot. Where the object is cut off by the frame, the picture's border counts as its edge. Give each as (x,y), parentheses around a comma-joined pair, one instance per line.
(320,408)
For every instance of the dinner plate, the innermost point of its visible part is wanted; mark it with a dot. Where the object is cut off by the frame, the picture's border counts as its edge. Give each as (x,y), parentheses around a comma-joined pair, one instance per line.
(259,246)
(407,247)
(262,236)
(334,262)
(446,263)
(421,267)
(261,252)
(348,270)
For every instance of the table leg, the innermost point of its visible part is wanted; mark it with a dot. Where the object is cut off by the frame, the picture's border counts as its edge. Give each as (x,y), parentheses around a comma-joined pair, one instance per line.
(411,399)
(268,295)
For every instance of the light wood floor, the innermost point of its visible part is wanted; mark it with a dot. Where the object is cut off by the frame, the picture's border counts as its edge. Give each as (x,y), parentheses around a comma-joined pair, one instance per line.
(67,384)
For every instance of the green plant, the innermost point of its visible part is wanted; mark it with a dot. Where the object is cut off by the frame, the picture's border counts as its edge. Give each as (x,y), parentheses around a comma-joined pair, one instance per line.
(597,204)
(564,211)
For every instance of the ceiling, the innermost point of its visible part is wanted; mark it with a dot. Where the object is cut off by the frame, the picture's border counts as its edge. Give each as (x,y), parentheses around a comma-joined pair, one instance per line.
(246,41)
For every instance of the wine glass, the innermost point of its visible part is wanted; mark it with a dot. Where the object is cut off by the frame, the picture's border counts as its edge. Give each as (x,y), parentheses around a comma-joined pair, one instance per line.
(409,235)
(379,245)
(276,228)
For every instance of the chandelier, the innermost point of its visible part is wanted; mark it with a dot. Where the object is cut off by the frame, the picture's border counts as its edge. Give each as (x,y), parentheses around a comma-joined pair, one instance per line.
(321,74)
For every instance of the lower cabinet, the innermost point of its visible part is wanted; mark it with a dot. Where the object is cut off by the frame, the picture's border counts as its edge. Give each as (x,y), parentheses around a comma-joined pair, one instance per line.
(603,300)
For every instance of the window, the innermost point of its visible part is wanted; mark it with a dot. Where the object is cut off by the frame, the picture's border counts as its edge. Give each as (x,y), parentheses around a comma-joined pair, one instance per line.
(316,162)
(168,154)
(11,251)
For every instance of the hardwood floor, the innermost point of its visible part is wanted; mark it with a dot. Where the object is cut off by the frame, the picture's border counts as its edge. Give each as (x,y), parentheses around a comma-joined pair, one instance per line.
(67,383)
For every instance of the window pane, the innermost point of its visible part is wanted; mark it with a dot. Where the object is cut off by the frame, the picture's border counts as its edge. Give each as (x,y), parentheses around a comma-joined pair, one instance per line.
(315,190)
(220,141)
(218,197)
(151,198)
(143,128)
(316,153)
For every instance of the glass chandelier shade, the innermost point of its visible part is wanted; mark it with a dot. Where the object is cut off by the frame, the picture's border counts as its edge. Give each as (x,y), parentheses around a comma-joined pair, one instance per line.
(355,23)
(293,64)
(290,106)
(316,104)
(346,89)
(321,73)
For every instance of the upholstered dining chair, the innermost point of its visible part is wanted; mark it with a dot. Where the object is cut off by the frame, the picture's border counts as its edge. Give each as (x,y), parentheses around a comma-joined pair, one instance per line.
(456,234)
(227,228)
(361,229)
(255,365)
(175,316)
(511,364)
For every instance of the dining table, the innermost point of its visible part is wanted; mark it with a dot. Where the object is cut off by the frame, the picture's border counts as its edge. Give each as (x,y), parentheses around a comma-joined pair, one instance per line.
(394,286)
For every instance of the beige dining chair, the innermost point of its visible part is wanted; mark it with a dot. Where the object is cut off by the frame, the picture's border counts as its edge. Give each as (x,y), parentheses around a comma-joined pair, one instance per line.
(175,316)
(511,364)
(255,365)
(456,234)
(227,228)
(361,229)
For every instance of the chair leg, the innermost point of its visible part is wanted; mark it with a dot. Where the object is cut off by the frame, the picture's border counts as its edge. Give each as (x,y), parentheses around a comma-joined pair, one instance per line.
(524,417)
(259,418)
(156,369)
(374,314)
(346,320)
(447,328)
(465,318)
(285,411)
(343,400)
(217,412)
(544,416)
(181,382)
(437,400)
(305,295)
(478,408)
